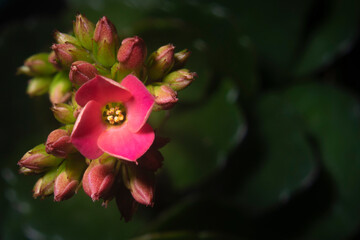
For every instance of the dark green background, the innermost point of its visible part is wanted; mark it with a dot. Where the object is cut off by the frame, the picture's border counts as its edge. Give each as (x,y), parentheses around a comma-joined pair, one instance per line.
(265,144)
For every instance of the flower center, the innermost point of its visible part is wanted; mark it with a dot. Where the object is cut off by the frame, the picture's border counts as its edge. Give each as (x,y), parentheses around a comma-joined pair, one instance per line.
(114,113)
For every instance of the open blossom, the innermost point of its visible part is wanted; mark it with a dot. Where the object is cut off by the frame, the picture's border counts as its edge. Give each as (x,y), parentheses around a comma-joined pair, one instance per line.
(113,118)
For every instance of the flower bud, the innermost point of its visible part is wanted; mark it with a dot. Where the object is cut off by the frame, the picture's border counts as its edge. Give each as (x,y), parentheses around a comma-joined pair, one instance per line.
(180,59)
(38,86)
(118,72)
(152,160)
(45,185)
(38,160)
(84,31)
(125,203)
(140,182)
(64,113)
(37,65)
(68,53)
(105,42)
(132,53)
(160,62)
(63,38)
(99,177)
(54,61)
(58,143)
(81,72)
(165,96)
(28,171)
(60,88)
(67,182)
(179,79)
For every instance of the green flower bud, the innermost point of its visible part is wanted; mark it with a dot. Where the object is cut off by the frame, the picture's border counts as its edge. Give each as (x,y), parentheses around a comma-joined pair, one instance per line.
(160,62)
(45,185)
(179,79)
(38,160)
(37,65)
(84,31)
(38,86)
(118,72)
(28,171)
(165,96)
(60,88)
(64,113)
(181,59)
(63,38)
(69,178)
(105,42)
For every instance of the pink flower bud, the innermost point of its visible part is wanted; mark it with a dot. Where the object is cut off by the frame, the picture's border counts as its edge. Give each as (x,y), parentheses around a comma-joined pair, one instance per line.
(99,177)
(81,72)
(165,96)
(140,182)
(64,188)
(67,53)
(54,61)
(132,53)
(160,62)
(67,182)
(105,42)
(38,160)
(179,79)
(58,143)
(84,31)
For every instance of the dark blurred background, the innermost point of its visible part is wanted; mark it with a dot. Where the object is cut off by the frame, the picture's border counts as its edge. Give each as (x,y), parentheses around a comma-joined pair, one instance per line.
(265,144)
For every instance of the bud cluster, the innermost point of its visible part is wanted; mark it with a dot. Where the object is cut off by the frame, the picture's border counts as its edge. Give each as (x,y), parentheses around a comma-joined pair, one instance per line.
(76,61)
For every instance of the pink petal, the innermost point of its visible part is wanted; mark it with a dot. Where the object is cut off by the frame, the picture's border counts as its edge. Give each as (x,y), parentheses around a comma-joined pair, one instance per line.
(101,90)
(87,129)
(140,105)
(120,142)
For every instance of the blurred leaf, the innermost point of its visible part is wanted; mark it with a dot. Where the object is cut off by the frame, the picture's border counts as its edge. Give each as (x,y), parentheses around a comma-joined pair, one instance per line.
(202,214)
(180,235)
(334,37)
(333,117)
(275,28)
(202,137)
(287,161)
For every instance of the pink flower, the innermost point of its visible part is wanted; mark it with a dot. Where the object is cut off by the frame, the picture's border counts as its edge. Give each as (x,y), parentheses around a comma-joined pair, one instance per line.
(113,118)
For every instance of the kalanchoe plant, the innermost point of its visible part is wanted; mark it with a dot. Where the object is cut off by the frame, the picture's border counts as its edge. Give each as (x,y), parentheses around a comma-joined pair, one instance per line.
(103,91)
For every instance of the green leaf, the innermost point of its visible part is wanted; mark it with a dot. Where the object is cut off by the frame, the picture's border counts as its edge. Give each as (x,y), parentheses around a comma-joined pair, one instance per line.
(333,116)
(202,137)
(287,161)
(334,37)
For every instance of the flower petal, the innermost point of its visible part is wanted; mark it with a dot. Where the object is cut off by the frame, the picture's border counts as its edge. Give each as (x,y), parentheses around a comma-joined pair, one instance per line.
(101,90)
(122,143)
(140,105)
(87,129)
